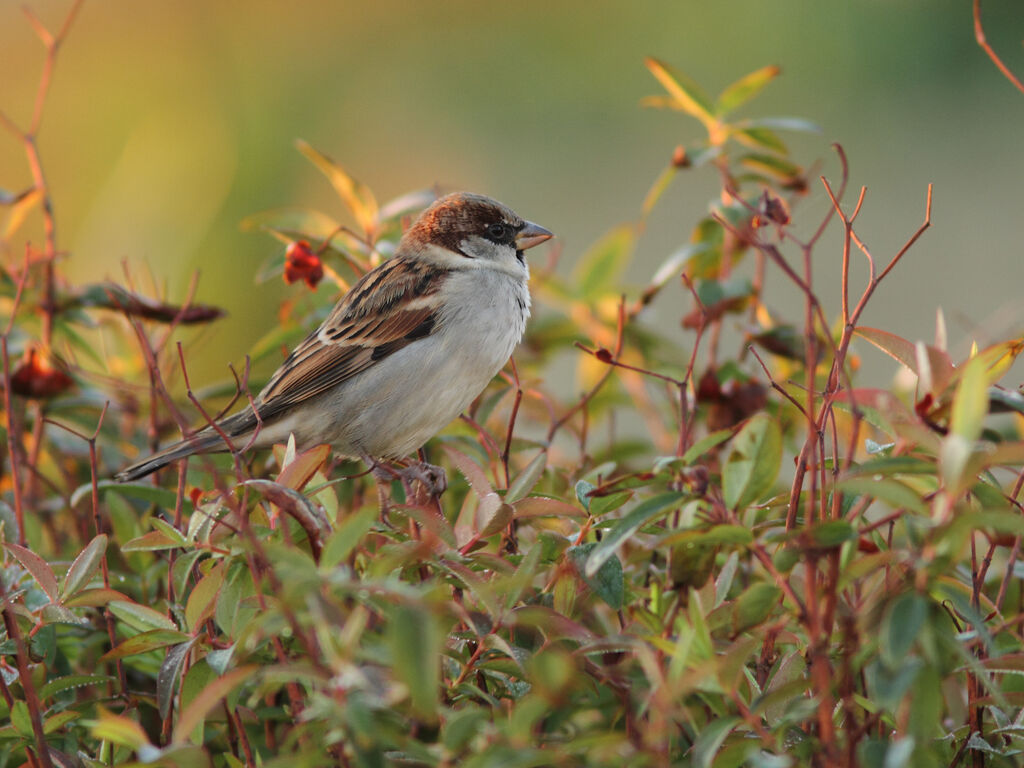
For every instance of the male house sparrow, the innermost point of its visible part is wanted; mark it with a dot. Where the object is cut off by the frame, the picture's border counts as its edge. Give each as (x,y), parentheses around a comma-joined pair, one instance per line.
(404,352)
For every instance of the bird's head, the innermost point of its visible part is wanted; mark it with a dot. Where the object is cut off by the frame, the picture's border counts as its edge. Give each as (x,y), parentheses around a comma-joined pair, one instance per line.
(466,231)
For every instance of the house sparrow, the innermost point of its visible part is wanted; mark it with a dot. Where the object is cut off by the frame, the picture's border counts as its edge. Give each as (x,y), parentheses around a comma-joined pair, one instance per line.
(404,352)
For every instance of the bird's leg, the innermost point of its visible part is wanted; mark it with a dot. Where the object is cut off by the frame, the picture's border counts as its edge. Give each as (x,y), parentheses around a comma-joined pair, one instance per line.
(431,476)
(432,479)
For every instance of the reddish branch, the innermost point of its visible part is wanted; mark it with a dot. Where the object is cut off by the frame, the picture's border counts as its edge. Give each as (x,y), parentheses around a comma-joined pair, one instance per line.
(979,35)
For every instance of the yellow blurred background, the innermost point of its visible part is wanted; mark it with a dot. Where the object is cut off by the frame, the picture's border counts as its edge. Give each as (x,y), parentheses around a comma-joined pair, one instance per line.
(168,123)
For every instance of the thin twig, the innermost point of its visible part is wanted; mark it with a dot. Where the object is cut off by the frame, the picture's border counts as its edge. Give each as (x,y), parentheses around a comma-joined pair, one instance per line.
(979,35)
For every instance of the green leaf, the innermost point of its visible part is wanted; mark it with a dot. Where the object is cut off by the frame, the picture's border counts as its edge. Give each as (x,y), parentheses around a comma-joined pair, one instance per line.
(347,536)
(84,566)
(705,444)
(773,166)
(744,89)
(56,722)
(626,526)
(970,405)
(599,270)
(602,505)
(416,649)
(22,720)
(760,138)
(140,617)
(831,534)
(608,582)
(750,471)
(525,481)
(197,710)
(583,489)
(711,739)
(145,642)
(901,626)
(161,497)
(717,535)
(896,494)
(66,683)
(686,94)
(798,124)
(754,606)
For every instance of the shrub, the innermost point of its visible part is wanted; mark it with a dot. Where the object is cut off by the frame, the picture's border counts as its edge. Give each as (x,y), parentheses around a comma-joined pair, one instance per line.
(627,577)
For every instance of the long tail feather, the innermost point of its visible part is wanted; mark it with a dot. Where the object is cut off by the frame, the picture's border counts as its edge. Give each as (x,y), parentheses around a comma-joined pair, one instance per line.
(200,443)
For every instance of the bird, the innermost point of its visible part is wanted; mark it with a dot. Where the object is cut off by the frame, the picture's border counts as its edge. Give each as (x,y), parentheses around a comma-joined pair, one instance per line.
(407,349)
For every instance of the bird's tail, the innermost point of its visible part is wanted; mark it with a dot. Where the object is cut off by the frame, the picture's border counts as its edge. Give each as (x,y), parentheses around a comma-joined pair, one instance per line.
(205,441)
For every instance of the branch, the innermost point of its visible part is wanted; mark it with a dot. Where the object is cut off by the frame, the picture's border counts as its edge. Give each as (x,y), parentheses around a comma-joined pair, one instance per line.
(979,35)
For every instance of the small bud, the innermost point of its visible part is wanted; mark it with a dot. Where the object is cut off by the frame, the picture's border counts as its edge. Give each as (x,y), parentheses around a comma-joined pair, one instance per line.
(679,157)
(604,355)
(36,377)
(300,263)
(771,210)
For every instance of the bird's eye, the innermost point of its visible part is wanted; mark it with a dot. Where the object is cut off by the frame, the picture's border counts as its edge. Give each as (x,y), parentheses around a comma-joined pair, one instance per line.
(498,232)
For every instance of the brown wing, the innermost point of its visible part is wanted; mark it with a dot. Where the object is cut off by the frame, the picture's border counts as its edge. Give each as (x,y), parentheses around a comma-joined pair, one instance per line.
(386,310)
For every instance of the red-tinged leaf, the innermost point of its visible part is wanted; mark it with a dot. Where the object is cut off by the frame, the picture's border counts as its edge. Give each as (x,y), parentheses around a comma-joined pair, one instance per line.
(151,542)
(541,506)
(357,196)
(39,569)
(554,625)
(203,598)
(301,509)
(196,712)
(687,94)
(475,476)
(496,521)
(300,471)
(144,643)
(84,566)
(91,598)
(895,346)
(140,617)
(744,89)
(119,730)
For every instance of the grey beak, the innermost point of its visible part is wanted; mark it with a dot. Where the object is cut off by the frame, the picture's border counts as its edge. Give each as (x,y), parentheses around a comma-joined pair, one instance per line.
(530,235)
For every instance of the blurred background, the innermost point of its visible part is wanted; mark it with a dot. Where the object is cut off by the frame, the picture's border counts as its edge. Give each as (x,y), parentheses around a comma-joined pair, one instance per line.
(169,123)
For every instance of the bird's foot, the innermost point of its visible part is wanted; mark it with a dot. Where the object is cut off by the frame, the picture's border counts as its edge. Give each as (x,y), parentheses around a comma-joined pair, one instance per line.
(423,483)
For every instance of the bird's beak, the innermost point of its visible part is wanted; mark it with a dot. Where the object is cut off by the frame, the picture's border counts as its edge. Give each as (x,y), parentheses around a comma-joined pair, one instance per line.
(530,235)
